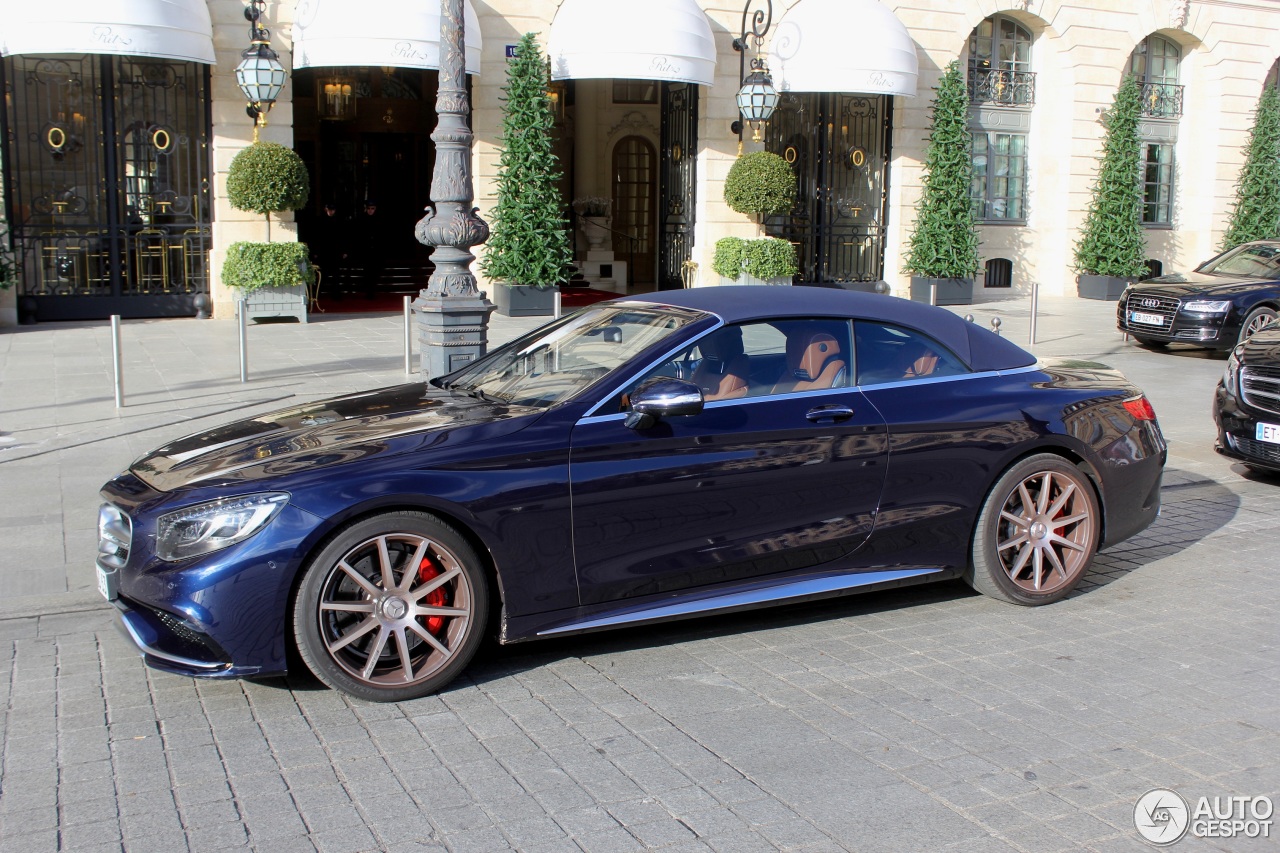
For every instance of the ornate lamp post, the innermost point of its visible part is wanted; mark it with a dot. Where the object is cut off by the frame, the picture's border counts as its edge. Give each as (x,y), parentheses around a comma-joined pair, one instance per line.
(259,74)
(757,99)
(453,315)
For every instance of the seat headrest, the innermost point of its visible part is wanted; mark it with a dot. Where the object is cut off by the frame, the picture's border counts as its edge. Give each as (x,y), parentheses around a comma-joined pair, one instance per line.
(808,354)
(723,345)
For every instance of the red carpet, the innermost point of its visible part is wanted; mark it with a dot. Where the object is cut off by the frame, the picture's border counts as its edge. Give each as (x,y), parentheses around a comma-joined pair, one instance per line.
(383,303)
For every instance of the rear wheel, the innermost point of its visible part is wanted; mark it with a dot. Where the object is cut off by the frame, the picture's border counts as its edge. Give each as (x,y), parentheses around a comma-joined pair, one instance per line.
(1037,532)
(1258,318)
(392,609)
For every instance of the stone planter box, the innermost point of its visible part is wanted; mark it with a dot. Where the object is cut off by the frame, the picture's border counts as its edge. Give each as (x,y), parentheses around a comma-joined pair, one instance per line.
(522,300)
(951,291)
(1106,287)
(269,303)
(745,279)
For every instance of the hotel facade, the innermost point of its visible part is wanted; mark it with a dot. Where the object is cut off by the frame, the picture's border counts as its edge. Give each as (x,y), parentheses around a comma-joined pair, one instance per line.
(121,118)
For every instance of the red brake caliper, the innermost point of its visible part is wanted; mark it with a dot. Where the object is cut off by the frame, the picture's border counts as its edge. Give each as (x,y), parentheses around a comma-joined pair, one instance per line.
(435,598)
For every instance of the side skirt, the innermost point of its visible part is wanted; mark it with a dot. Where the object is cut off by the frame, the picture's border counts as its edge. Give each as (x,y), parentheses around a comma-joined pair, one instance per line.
(736,598)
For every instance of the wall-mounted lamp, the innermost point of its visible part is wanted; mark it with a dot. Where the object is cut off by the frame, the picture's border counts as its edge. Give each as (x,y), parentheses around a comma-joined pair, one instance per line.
(259,74)
(757,98)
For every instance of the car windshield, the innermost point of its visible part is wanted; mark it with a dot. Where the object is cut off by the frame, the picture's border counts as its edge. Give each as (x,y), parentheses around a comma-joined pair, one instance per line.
(1251,261)
(559,360)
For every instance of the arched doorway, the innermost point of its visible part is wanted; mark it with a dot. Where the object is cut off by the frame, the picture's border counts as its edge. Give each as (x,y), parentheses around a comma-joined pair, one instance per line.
(635,185)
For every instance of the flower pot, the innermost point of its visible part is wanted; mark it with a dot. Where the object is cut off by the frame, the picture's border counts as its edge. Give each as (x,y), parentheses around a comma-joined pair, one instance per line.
(269,303)
(523,300)
(1108,287)
(951,291)
(596,230)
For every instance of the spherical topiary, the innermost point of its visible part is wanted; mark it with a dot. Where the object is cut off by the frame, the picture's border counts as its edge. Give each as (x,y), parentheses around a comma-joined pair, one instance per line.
(266,177)
(761,183)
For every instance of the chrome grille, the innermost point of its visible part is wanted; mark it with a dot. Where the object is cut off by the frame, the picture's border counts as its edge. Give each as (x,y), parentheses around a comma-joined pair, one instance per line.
(1165,306)
(1260,388)
(115,536)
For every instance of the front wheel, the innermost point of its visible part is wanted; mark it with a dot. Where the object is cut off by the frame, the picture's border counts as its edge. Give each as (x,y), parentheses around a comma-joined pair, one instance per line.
(1037,532)
(1258,318)
(392,609)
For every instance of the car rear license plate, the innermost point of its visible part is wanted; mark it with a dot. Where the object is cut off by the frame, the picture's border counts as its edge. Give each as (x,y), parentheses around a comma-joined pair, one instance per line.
(1146,319)
(108,583)
(1269,433)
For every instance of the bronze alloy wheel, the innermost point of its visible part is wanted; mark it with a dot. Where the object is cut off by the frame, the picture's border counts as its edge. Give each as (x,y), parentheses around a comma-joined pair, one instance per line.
(1037,532)
(392,609)
(1259,318)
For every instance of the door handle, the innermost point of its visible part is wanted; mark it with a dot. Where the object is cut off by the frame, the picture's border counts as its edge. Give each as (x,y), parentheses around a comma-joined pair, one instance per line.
(829,414)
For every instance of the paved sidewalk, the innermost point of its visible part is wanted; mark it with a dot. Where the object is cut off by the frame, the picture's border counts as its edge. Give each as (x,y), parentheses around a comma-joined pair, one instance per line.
(922,719)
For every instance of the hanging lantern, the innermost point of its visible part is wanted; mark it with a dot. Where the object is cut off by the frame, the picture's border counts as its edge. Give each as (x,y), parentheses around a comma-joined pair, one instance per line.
(259,74)
(335,98)
(757,99)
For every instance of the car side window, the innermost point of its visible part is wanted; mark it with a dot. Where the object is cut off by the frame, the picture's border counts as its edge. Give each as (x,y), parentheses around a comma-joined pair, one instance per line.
(888,353)
(761,359)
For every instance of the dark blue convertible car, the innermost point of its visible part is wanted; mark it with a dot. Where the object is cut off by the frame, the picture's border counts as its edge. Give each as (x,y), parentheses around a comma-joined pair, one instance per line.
(643,459)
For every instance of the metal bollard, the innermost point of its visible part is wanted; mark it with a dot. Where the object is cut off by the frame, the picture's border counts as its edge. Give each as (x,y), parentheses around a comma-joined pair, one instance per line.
(242,320)
(117,360)
(933,293)
(882,287)
(558,311)
(1035,308)
(995,325)
(408,335)
(968,318)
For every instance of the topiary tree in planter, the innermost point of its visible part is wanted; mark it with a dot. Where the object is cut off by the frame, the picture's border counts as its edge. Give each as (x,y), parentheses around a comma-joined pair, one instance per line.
(1112,249)
(529,251)
(760,184)
(267,178)
(768,260)
(944,245)
(1257,211)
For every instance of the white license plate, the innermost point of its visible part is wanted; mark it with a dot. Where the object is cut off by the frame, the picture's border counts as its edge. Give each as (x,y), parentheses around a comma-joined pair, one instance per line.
(1269,433)
(1146,319)
(107,583)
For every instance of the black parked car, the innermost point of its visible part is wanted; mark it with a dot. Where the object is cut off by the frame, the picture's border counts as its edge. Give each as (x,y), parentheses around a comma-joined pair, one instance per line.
(1246,406)
(1218,305)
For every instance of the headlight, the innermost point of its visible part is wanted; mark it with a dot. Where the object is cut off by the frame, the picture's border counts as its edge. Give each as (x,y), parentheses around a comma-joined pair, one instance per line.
(212,526)
(1203,306)
(1231,378)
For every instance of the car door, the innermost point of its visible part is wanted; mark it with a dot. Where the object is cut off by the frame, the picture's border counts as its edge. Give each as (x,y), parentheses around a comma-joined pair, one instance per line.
(781,474)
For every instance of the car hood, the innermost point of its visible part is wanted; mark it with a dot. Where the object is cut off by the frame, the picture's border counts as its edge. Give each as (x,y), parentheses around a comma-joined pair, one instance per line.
(1262,348)
(1199,284)
(325,433)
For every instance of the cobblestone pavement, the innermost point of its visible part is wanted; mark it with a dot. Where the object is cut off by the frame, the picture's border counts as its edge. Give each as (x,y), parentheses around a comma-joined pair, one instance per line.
(921,719)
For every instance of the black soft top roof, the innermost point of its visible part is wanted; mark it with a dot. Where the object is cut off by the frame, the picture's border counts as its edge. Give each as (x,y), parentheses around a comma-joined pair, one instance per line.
(977,347)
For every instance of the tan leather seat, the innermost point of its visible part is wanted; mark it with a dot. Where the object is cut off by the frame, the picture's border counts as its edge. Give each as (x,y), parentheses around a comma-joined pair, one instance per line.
(724,369)
(814,363)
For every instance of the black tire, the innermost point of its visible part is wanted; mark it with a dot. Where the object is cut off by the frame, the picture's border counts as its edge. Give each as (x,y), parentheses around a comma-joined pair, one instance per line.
(1037,553)
(1256,319)
(374,643)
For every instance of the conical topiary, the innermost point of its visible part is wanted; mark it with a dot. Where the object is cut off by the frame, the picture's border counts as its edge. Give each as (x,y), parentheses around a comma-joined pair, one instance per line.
(1257,211)
(1111,240)
(944,243)
(529,241)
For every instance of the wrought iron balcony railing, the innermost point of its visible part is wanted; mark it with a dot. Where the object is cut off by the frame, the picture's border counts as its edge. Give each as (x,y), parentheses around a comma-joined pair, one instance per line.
(1162,100)
(1002,87)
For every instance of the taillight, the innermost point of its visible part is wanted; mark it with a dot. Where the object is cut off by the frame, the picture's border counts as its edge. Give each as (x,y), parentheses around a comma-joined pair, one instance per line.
(1140,408)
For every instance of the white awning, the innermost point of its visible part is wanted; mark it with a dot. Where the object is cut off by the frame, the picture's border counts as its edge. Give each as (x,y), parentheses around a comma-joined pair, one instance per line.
(843,46)
(390,33)
(169,29)
(623,39)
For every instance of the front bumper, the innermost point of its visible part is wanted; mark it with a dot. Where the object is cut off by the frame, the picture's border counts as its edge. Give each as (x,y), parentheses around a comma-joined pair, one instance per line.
(1237,431)
(1219,331)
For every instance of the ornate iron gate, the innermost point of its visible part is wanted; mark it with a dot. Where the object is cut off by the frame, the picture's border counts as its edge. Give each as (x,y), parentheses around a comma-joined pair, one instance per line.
(107,176)
(678,181)
(839,146)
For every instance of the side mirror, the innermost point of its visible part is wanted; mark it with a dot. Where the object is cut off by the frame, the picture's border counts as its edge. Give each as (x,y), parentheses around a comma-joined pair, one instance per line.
(663,397)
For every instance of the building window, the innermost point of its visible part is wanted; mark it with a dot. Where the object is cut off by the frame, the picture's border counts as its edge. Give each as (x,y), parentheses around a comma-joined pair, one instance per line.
(1155,64)
(999,273)
(999,188)
(635,92)
(1000,63)
(1157,184)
